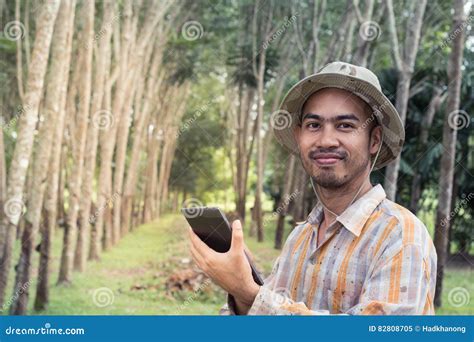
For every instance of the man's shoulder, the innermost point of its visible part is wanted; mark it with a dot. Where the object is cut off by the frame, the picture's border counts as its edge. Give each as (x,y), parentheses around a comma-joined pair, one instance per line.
(409,228)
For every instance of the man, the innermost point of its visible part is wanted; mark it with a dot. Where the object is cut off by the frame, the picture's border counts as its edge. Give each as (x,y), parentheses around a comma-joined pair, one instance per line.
(357,252)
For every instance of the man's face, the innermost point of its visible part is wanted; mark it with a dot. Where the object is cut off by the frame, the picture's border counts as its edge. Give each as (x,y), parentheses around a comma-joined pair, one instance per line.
(334,140)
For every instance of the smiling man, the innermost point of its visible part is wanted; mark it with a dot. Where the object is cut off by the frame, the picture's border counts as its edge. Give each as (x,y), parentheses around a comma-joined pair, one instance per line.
(357,252)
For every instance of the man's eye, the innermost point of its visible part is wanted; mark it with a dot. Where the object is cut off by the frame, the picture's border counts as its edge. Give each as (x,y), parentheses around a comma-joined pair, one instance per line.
(345,125)
(313,125)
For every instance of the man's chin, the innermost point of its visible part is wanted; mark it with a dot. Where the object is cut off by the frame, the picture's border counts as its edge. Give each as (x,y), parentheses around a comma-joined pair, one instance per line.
(328,180)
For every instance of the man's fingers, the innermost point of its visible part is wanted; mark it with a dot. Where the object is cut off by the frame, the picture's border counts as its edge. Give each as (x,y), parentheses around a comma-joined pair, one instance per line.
(237,236)
(194,239)
(200,247)
(196,257)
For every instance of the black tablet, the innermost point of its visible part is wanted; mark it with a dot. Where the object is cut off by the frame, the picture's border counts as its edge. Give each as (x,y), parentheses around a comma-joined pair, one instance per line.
(211,225)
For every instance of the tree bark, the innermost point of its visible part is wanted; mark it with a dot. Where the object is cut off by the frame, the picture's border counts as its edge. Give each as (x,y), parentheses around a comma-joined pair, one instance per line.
(364,43)
(24,144)
(50,116)
(101,72)
(405,66)
(80,136)
(3,170)
(108,135)
(449,145)
(283,205)
(140,134)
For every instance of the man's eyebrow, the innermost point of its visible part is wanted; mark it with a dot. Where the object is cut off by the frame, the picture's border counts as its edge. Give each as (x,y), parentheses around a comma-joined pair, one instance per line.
(348,116)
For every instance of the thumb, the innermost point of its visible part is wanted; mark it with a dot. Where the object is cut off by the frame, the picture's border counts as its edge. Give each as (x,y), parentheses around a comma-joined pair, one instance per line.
(237,236)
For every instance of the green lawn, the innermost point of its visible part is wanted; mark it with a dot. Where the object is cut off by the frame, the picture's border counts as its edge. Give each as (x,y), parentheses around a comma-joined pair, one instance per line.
(130,278)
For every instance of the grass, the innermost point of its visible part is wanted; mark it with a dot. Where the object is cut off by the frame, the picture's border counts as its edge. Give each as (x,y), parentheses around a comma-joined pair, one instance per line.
(130,278)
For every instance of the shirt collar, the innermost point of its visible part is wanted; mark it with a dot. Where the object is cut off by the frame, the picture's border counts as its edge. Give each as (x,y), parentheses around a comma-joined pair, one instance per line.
(357,214)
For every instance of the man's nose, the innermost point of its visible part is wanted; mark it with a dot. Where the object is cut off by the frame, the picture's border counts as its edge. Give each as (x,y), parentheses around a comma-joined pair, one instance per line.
(328,137)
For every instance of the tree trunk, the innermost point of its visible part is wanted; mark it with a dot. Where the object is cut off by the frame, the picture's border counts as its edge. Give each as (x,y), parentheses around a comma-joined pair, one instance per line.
(259,187)
(102,66)
(80,135)
(405,65)
(364,39)
(244,152)
(140,134)
(153,150)
(283,205)
(120,156)
(425,127)
(168,149)
(108,135)
(449,145)
(3,171)
(24,144)
(300,184)
(51,115)
(121,148)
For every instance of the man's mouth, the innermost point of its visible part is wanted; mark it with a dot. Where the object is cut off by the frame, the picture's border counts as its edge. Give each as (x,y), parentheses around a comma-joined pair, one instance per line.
(325,159)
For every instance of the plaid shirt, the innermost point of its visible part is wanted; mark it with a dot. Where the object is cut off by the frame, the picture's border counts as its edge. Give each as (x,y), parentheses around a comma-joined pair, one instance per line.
(377,258)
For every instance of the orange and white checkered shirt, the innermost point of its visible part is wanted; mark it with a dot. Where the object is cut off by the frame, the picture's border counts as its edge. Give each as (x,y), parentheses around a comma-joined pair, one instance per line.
(377,258)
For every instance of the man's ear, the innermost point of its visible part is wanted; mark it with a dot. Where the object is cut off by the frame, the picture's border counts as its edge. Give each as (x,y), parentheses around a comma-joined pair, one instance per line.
(375,139)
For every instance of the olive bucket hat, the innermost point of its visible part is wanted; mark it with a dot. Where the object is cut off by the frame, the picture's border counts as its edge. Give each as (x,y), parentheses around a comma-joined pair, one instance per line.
(358,80)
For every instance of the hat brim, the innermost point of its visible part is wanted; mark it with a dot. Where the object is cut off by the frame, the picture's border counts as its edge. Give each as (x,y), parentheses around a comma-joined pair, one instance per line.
(387,115)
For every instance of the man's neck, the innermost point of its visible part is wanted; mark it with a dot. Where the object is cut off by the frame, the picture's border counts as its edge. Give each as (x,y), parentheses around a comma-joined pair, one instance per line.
(338,200)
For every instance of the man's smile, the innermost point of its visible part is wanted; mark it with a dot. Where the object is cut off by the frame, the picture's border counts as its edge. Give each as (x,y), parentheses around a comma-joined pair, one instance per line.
(326,158)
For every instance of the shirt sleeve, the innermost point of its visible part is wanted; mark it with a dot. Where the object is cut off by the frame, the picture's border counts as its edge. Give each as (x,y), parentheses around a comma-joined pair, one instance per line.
(230,309)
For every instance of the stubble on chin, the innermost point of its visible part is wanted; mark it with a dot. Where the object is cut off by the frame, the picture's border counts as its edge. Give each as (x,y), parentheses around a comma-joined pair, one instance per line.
(327,177)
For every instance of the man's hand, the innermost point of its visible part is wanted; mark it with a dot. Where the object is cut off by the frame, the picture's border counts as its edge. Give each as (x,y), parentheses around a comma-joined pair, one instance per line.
(230,270)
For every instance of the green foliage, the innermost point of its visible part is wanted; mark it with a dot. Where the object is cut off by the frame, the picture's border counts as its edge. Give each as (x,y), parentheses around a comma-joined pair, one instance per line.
(201,132)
